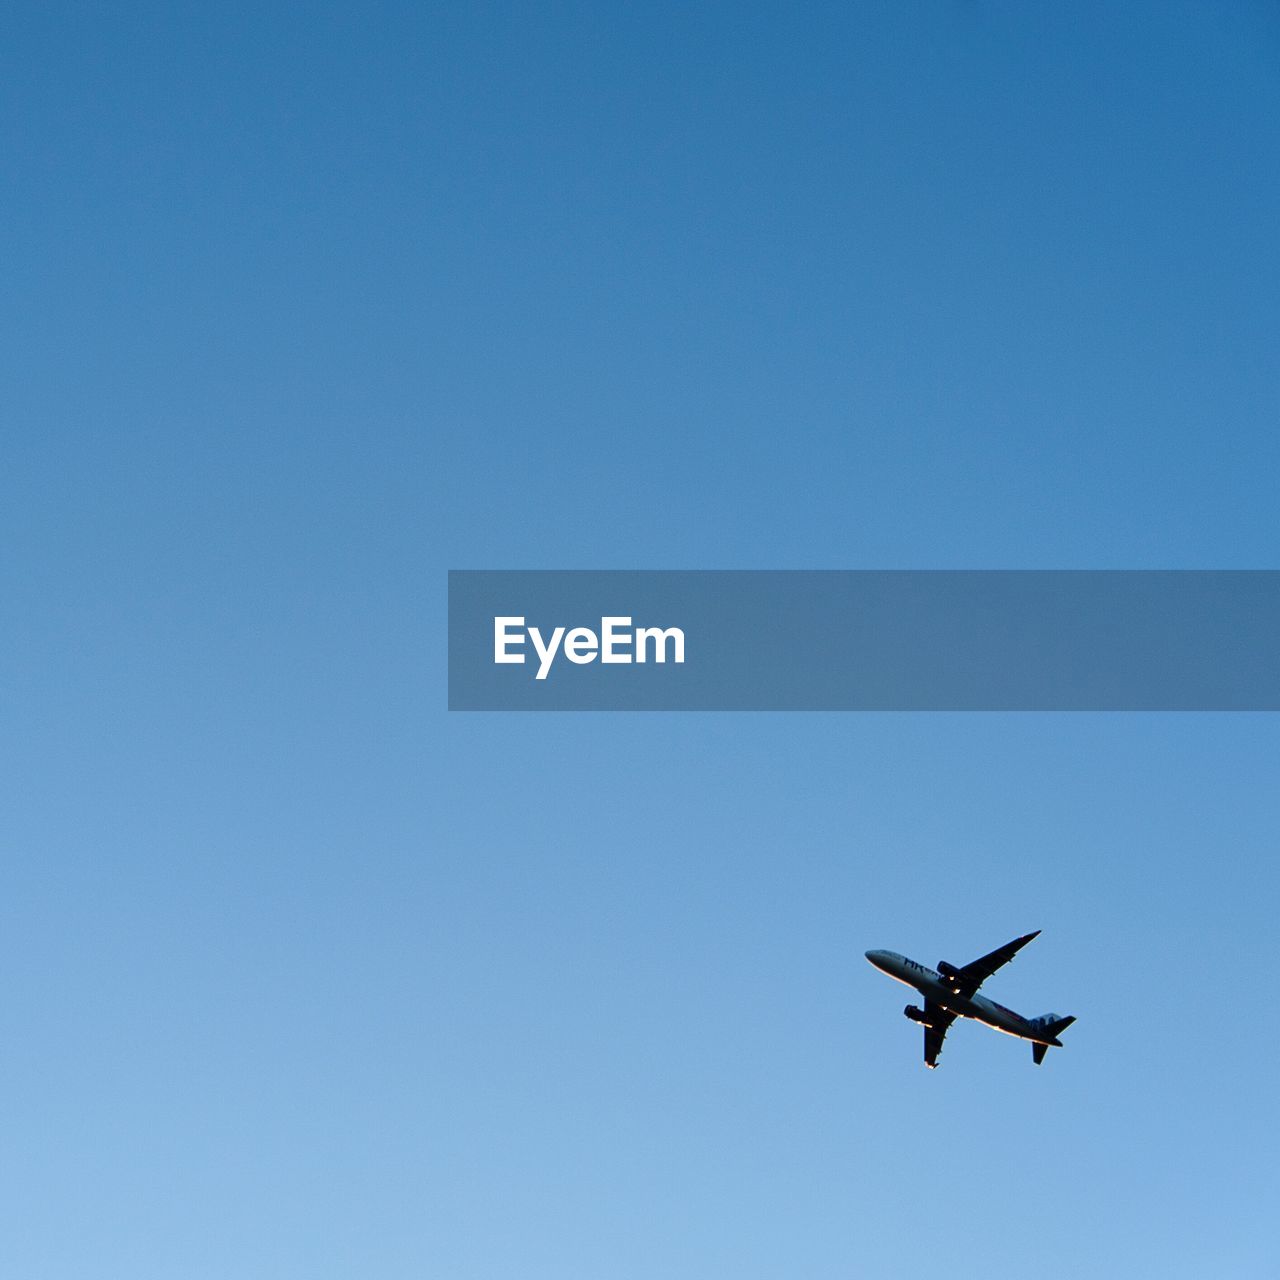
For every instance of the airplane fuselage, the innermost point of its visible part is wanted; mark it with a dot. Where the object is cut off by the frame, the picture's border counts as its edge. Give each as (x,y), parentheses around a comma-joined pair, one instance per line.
(934,986)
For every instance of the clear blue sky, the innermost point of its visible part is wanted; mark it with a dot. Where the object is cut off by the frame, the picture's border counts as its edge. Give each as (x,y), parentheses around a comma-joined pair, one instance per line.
(301,976)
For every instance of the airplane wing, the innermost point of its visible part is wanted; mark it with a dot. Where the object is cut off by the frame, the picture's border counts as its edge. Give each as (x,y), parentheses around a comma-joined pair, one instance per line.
(939,1023)
(966,981)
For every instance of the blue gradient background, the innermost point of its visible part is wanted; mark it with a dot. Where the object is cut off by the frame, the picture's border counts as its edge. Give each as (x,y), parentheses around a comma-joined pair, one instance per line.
(302,976)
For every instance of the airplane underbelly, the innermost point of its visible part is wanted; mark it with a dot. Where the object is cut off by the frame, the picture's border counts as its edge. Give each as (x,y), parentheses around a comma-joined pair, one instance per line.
(1001,1020)
(980,1009)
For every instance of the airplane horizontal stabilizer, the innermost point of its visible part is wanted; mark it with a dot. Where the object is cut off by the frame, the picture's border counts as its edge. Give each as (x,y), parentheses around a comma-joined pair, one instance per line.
(1056,1026)
(1050,1026)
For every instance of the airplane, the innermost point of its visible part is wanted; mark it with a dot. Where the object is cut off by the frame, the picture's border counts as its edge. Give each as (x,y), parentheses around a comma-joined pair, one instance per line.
(951,993)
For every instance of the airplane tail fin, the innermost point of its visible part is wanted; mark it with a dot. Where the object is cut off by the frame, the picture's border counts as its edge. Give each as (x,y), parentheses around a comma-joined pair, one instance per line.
(1050,1026)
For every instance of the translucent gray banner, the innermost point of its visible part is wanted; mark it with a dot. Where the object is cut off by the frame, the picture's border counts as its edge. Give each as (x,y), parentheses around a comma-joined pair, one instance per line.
(931,640)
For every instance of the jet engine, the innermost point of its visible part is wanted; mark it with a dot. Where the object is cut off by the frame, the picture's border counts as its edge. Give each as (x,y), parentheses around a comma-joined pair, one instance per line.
(948,970)
(915,1014)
